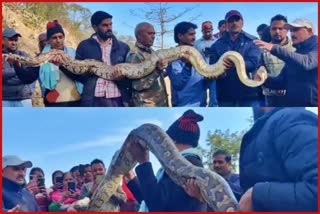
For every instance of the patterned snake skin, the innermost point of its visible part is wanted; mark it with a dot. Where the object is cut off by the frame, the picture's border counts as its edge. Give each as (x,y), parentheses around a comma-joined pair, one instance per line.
(137,71)
(214,189)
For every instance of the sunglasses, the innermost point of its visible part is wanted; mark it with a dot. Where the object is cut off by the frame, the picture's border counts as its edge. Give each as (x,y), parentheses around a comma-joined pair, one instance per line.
(234,19)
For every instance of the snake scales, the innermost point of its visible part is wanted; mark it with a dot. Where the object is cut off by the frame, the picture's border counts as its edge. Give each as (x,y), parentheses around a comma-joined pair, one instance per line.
(136,71)
(213,187)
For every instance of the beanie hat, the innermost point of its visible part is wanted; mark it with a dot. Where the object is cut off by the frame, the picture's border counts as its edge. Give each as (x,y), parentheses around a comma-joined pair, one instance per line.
(185,130)
(53,28)
(98,16)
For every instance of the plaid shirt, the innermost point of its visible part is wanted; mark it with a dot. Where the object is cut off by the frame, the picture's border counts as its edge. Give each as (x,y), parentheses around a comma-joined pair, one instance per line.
(106,88)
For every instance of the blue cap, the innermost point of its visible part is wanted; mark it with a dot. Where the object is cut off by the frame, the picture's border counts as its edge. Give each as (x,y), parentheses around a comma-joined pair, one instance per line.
(10,32)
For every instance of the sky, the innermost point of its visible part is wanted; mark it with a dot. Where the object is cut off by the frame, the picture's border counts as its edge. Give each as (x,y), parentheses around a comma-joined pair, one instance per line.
(60,138)
(254,14)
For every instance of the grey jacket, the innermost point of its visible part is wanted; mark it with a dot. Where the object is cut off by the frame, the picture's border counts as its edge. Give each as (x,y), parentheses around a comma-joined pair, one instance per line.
(14,88)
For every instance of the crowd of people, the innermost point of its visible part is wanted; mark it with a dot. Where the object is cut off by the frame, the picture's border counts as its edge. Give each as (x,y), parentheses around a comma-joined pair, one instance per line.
(291,64)
(278,171)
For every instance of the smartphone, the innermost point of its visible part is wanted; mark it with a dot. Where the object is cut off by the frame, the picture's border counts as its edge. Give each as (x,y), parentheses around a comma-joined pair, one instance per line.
(40,182)
(72,186)
(59,179)
(99,178)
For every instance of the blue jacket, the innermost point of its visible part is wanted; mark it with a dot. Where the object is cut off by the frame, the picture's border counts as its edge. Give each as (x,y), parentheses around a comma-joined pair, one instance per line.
(229,87)
(90,49)
(300,74)
(14,194)
(13,88)
(279,159)
(188,87)
(234,183)
(163,195)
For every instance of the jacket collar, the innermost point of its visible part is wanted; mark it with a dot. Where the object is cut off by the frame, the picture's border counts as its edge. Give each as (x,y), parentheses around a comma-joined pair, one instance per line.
(115,42)
(5,50)
(9,184)
(143,48)
(307,44)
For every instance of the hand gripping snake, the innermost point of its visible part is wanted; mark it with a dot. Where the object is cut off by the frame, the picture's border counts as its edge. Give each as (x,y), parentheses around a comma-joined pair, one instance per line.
(137,71)
(214,189)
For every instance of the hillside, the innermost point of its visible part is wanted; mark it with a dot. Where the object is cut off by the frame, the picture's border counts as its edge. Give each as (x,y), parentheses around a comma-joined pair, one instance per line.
(30,26)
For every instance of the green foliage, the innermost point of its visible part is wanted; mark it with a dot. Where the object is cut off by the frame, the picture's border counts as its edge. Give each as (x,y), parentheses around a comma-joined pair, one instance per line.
(72,16)
(226,140)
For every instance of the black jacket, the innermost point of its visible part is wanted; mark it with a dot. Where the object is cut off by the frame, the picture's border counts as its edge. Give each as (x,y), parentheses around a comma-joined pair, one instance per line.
(279,159)
(14,194)
(300,74)
(14,88)
(163,195)
(229,87)
(90,49)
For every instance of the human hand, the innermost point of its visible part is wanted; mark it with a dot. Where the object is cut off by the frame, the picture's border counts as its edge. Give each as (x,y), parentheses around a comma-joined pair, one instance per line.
(56,60)
(12,60)
(32,186)
(129,176)
(263,45)
(117,75)
(162,64)
(192,189)
(15,209)
(138,152)
(245,202)
(261,74)
(228,63)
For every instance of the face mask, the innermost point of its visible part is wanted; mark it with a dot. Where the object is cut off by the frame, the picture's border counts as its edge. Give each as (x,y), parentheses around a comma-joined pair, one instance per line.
(104,36)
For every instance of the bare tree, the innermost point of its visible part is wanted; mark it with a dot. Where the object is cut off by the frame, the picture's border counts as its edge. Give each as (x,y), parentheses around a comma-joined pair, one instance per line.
(161,14)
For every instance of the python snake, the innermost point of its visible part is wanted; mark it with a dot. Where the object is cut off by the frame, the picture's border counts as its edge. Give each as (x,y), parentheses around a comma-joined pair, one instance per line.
(214,189)
(137,71)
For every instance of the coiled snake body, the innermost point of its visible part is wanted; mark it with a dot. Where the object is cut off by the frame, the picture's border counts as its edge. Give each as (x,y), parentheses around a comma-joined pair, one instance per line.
(136,71)
(213,187)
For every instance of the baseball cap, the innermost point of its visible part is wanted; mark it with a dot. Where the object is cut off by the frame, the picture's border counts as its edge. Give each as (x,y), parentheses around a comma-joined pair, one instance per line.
(10,32)
(12,160)
(299,23)
(233,13)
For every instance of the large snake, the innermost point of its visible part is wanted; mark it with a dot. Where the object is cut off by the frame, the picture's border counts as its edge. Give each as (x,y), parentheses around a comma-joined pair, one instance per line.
(214,189)
(137,71)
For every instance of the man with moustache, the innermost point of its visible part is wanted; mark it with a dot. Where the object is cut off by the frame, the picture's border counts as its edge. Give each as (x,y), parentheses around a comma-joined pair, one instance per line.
(273,64)
(98,171)
(103,46)
(15,198)
(300,73)
(59,89)
(15,92)
(203,45)
(148,91)
(230,91)
(188,87)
